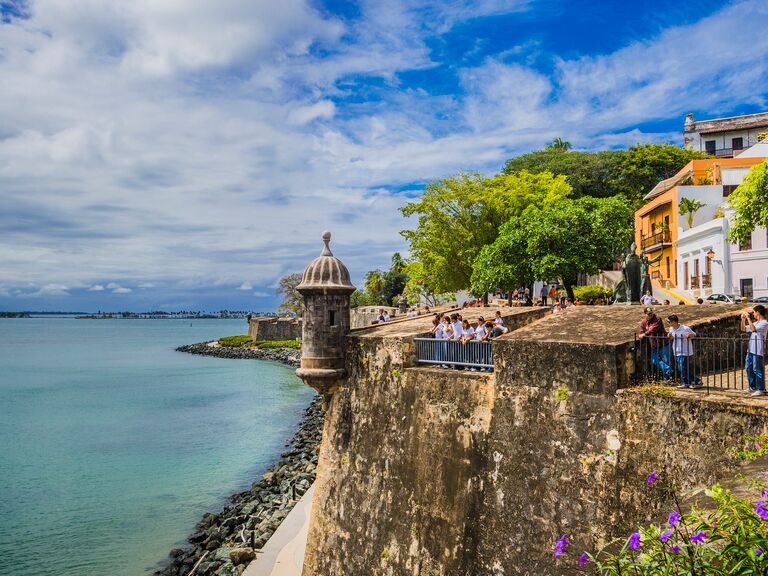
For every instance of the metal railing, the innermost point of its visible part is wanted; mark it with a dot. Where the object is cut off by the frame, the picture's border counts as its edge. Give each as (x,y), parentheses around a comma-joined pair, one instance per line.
(711,362)
(695,282)
(473,354)
(706,280)
(654,239)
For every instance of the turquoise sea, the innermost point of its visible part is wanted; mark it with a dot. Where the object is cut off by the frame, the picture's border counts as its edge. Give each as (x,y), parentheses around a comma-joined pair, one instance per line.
(112,444)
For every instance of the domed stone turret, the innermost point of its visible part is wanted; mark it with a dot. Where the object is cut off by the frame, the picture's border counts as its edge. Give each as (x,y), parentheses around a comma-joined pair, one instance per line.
(326,289)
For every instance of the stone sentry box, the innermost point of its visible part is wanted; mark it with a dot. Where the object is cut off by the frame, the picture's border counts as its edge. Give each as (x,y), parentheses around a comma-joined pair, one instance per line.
(326,288)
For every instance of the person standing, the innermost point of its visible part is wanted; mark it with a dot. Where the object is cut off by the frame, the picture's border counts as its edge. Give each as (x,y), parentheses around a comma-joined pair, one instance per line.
(681,337)
(652,330)
(647,299)
(754,323)
(481,332)
(543,293)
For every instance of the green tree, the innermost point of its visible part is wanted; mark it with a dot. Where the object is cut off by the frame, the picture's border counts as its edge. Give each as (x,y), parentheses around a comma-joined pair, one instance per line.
(457,216)
(359,298)
(394,281)
(374,286)
(750,204)
(645,165)
(293,303)
(688,207)
(556,241)
(588,173)
(559,145)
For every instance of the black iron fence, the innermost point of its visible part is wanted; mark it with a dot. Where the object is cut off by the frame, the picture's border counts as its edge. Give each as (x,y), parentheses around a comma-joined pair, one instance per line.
(452,353)
(707,362)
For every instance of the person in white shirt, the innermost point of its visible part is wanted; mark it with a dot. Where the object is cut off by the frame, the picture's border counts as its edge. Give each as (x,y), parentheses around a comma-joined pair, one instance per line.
(682,347)
(481,332)
(499,321)
(457,327)
(647,299)
(386,316)
(440,330)
(467,332)
(754,323)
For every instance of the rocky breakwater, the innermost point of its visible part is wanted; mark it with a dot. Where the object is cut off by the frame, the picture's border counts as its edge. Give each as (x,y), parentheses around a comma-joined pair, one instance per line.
(225,543)
(284,355)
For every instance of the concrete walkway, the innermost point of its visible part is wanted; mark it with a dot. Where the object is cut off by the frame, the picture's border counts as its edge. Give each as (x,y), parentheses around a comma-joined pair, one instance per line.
(283,554)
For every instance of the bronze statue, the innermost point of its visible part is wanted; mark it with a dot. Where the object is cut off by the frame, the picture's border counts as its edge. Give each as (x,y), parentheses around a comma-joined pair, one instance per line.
(628,290)
(646,264)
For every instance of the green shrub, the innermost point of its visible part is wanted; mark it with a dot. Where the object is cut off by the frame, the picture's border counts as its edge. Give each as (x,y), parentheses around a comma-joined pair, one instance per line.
(233,341)
(590,292)
(261,344)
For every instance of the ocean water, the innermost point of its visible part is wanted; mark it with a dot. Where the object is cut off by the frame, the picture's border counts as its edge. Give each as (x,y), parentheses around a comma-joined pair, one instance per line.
(112,444)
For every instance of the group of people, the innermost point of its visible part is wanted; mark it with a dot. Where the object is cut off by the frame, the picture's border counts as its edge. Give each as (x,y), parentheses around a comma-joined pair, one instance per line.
(678,340)
(463,331)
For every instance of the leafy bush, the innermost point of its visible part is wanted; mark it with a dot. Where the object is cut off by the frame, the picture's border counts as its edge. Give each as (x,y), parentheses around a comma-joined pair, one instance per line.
(730,539)
(262,344)
(233,341)
(590,292)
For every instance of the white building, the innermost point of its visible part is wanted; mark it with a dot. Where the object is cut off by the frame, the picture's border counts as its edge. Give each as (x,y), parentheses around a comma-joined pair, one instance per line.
(724,137)
(729,269)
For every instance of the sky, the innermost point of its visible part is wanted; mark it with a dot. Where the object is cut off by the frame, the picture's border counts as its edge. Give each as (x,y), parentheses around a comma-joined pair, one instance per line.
(165,154)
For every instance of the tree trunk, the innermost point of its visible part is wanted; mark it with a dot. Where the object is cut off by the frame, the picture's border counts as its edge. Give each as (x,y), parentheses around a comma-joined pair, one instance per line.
(568,283)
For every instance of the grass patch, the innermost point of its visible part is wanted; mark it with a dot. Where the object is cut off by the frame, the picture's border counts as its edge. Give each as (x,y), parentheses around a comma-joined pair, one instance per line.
(263,344)
(233,341)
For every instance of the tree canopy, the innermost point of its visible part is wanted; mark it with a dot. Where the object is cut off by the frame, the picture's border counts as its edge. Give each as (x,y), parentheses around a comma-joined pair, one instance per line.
(556,241)
(293,303)
(458,216)
(750,203)
(633,172)
(383,288)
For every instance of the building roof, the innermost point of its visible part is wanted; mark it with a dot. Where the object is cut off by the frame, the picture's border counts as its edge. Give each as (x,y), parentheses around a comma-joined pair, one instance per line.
(326,273)
(670,183)
(715,125)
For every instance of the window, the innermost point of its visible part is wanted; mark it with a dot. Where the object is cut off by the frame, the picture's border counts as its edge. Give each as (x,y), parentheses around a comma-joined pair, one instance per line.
(696,267)
(710,147)
(737,143)
(747,246)
(332,317)
(668,272)
(728,189)
(685,276)
(746,287)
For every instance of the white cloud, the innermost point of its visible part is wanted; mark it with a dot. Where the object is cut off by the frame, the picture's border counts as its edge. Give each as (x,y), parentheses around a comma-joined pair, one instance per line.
(47,290)
(122,290)
(190,145)
(262,294)
(96,288)
(245,286)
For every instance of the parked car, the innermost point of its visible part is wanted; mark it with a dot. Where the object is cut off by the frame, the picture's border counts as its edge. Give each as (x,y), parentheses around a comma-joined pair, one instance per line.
(759,300)
(723,299)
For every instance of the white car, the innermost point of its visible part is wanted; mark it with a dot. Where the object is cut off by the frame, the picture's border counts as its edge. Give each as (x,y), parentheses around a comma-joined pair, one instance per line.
(723,299)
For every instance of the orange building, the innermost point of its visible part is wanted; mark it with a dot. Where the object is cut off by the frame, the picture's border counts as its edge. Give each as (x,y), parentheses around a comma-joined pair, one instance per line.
(658,223)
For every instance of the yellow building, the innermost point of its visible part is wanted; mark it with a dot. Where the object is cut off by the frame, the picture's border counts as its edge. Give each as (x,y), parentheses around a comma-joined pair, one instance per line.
(658,223)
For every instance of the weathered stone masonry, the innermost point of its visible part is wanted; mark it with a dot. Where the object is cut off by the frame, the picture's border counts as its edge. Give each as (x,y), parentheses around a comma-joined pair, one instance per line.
(431,472)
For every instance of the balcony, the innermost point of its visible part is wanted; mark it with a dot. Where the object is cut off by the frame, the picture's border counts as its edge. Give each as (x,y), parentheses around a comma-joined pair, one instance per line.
(706,280)
(655,241)
(695,283)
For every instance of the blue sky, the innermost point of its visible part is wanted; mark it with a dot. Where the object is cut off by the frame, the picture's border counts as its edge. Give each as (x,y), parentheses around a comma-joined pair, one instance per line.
(187,155)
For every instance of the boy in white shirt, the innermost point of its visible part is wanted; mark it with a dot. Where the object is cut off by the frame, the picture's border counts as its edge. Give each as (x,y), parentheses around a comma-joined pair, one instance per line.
(682,347)
(647,299)
(754,323)
(499,321)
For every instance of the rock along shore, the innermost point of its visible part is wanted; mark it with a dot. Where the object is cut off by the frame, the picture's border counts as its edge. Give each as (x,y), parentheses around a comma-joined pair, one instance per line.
(224,543)
(284,355)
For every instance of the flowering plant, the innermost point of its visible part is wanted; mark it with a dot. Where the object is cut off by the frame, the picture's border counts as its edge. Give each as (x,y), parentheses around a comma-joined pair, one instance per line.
(731,539)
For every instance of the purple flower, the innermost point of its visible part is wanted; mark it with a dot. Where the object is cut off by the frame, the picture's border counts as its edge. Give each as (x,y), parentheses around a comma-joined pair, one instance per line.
(674,518)
(699,538)
(584,560)
(652,478)
(666,535)
(762,510)
(765,492)
(562,546)
(758,551)
(634,541)
(675,549)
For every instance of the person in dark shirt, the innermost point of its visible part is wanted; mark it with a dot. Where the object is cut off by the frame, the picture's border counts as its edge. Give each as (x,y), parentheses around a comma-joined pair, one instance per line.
(652,330)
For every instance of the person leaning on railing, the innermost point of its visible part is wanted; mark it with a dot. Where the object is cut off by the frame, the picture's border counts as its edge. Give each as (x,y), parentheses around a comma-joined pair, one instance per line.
(681,337)
(754,323)
(652,330)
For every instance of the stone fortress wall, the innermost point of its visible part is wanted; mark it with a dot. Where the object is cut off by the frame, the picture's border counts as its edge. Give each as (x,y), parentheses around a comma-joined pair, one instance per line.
(432,472)
(271,328)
